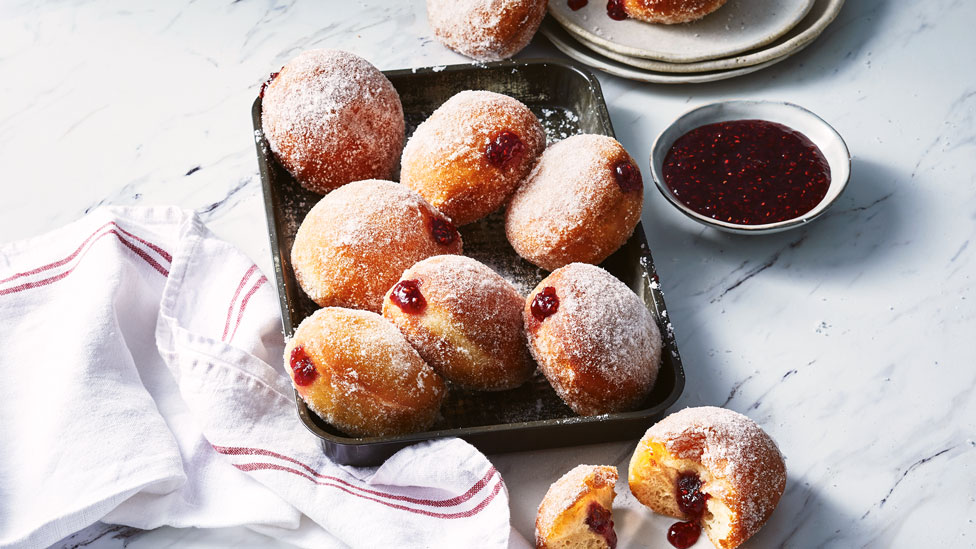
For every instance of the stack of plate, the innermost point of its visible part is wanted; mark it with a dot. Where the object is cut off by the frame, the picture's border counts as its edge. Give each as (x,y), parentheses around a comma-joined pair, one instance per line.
(742,36)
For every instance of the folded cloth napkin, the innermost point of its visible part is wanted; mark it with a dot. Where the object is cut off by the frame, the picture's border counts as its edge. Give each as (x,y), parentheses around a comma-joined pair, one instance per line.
(142,385)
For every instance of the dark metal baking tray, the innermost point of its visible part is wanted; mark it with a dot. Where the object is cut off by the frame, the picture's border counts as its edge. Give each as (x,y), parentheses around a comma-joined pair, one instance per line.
(567,99)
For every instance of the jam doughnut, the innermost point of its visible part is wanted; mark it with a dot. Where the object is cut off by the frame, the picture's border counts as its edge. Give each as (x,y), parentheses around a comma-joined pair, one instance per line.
(357,372)
(576,511)
(353,245)
(485,30)
(580,203)
(594,340)
(465,320)
(710,467)
(670,12)
(468,157)
(331,118)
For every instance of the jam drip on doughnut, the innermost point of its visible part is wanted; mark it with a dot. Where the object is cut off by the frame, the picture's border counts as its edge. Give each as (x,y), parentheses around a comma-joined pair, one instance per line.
(267,82)
(691,502)
(406,295)
(628,177)
(505,148)
(545,303)
(302,367)
(576,4)
(616,11)
(599,519)
(443,231)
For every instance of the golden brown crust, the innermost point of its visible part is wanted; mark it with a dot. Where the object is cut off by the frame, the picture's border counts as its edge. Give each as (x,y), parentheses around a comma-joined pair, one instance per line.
(486,30)
(739,463)
(332,118)
(369,381)
(354,244)
(671,12)
(571,208)
(559,511)
(471,329)
(445,159)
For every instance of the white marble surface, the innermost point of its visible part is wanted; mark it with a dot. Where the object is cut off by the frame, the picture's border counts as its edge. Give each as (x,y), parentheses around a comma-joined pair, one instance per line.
(850,340)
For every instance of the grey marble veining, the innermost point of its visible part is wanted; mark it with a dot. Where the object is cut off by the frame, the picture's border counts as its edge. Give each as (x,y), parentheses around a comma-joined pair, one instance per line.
(851,340)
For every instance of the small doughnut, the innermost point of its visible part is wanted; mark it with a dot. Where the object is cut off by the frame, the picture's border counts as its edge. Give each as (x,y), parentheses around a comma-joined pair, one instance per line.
(485,30)
(356,371)
(354,244)
(473,151)
(330,118)
(710,467)
(465,320)
(576,511)
(670,12)
(580,203)
(594,340)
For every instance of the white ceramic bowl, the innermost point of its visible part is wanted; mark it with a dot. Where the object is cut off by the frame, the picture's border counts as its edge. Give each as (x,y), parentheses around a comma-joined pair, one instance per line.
(830,142)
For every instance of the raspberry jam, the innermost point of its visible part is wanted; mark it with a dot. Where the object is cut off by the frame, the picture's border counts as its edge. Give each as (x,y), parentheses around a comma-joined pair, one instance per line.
(406,295)
(683,534)
(576,4)
(302,368)
(748,172)
(505,148)
(266,83)
(545,303)
(628,177)
(443,231)
(599,519)
(615,9)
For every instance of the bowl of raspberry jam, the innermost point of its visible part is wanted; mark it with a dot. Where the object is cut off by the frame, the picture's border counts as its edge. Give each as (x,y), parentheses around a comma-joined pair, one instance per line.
(751,167)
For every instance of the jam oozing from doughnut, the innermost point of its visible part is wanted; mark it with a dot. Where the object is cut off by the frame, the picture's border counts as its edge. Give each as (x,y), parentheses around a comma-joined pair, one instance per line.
(628,177)
(599,519)
(302,367)
(504,149)
(443,231)
(615,9)
(406,295)
(691,502)
(545,303)
(576,4)
(747,172)
(267,82)
(683,534)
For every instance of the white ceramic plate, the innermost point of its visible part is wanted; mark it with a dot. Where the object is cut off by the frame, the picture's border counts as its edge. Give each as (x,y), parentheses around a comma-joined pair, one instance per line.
(830,142)
(568,45)
(738,26)
(821,15)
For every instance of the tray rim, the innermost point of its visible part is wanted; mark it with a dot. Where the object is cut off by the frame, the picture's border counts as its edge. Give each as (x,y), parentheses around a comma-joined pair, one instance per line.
(646,262)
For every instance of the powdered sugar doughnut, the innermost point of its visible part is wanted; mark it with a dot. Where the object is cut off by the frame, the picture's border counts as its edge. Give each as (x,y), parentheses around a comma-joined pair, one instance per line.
(331,118)
(353,245)
(670,12)
(576,511)
(486,30)
(356,371)
(593,338)
(580,203)
(710,466)
(468,157)
(465,320)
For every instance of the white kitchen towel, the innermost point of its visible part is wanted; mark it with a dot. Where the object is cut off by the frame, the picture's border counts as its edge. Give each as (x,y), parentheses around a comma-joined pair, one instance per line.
(142,385)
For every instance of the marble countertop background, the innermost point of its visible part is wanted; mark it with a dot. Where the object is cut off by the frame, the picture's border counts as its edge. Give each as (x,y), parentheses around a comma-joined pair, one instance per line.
(850,340)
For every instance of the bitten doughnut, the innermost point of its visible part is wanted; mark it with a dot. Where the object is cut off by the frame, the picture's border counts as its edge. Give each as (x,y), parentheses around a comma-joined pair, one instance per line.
(580,203)
(468,157)
(670,12)
(353,245)
(593,338)
(576,511)
(485,30)
(710,467)
(356,371)
(465,320)
(330,118)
